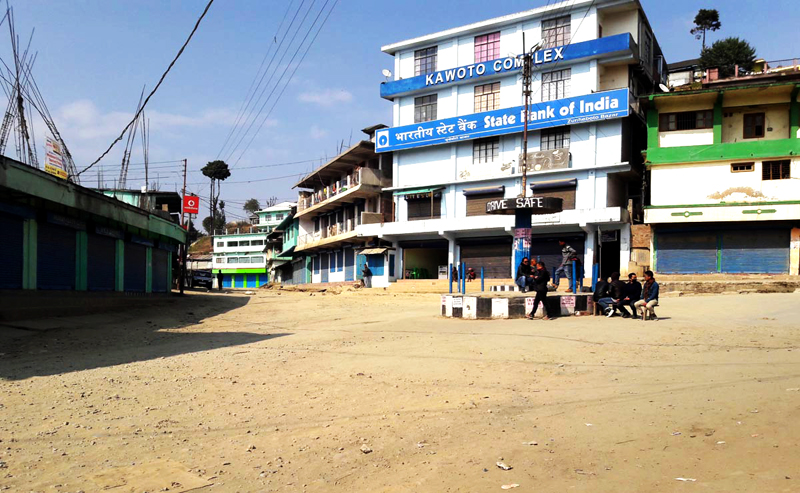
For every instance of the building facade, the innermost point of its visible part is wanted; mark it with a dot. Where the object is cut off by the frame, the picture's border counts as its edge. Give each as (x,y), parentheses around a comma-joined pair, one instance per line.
(724,168)
(241,259)
(456,140)
(334,203)
(267,219)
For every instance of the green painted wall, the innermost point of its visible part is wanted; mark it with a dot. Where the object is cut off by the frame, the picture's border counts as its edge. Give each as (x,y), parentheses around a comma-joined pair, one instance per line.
(120,270)
(148,282)
(30,230)
(724,152)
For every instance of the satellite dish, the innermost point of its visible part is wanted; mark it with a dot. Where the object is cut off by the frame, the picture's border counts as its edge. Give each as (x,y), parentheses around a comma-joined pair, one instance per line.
(386,72)
(663,88)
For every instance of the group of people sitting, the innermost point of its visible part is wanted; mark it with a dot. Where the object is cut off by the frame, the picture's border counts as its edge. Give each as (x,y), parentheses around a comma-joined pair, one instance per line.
(615,296)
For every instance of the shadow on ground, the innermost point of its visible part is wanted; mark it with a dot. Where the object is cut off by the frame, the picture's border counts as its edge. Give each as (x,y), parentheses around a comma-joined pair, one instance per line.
(59,345)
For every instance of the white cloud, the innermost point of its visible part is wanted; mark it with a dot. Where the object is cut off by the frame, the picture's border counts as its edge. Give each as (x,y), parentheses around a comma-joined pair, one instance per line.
(317,133)
(327,97)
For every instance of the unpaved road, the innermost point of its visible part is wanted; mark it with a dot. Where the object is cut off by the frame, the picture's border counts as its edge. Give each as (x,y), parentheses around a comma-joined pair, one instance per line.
(279,392)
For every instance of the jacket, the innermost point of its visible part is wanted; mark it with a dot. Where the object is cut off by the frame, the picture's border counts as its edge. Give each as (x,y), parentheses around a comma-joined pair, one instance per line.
(523,270)
(568,253)
(652,294)
(540,280)
(633,290)
(600,291)
(617,290)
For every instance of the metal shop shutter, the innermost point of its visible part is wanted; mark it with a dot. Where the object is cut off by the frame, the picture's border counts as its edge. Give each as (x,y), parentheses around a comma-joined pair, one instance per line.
(686,252)
(325,266)
(764,251)
(493,255)
(375,263)
(160,270)
(135,267)
(349,264)
(102,263)
(11,252)
(55,258)
(549,251)
(476,204)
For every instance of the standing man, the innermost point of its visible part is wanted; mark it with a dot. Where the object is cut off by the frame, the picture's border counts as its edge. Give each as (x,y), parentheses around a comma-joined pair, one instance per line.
(219,280)
(367,273)
(540,280)
(568,255)
(524,275)
(633,292)
(649,297)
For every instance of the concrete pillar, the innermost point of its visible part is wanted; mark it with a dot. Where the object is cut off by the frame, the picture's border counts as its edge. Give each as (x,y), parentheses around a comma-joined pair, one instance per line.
(794,253)
(588,253)
(30,229)
(452,256)
(624,249)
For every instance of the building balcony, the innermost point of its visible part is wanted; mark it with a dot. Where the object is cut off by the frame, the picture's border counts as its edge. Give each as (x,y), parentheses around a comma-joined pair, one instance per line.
(363,183)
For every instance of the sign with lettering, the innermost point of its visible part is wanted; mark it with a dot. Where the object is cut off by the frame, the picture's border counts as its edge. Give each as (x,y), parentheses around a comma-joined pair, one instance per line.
(54,158)
(536,205)
(608,46)
(191,204)
(569,111)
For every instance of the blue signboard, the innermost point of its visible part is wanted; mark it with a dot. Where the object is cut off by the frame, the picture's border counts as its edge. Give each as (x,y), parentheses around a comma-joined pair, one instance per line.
(568,111)
(612,45)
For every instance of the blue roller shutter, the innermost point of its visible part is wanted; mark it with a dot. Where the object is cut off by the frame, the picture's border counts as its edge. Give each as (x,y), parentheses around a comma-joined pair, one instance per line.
(160,270)
(135,267)
(375,263)
(55,257)
(349,264)
(325,266)
(756,251)
(102,263)
(11,251)
(693,252)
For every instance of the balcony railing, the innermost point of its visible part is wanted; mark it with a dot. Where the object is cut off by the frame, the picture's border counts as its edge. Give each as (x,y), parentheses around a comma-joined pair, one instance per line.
(367,176)
(327,232)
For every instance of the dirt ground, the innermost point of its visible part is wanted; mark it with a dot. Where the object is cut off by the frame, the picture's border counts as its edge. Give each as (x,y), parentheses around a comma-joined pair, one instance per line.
(362,392)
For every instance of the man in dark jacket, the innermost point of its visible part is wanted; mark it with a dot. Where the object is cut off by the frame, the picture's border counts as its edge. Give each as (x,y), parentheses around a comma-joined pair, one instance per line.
(633,292)
(524,275)
(366,273)
(616,292)
(540,280)
(568,256)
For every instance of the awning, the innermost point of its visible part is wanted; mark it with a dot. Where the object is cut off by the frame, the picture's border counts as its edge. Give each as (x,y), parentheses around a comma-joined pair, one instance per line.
(278,262)
(417,191)
(549,185)
(373,251)
(484,190)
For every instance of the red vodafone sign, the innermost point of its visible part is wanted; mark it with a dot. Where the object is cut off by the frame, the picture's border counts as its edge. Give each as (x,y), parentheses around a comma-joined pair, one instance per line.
(191,204)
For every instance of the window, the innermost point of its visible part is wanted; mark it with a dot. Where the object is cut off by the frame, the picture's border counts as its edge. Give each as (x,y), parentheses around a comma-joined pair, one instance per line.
(256,242)
(244,243)
(686,120)
(316,224)
(487,47)
(278,217)
(776,170)
(233,243)
(753,125)
(425,208)
(485,150)
(220,244)
(556,32)
(487,97)
(425,108)
(555,85)
(233,260)
(219,260)
(425,61)
(256,260)
(739,167)
(555,138)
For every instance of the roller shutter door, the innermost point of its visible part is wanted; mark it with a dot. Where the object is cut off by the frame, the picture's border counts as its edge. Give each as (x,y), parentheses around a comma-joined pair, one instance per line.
(549,251)
(325,266)
(756,251)
(476,204)
(55,257)
(494,256)
(11,251)
(686,252)
(349,264)
(160,270)
(102,263)
(135,267)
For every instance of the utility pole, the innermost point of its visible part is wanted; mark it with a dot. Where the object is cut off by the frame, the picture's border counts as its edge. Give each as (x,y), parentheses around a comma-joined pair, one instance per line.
(184,188)
(527,75)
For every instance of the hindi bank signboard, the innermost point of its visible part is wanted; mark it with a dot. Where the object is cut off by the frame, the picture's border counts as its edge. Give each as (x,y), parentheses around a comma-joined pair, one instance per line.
(569,111)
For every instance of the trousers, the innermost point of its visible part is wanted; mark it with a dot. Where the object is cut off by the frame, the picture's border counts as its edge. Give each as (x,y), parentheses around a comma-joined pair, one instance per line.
(541,297)
(648,307)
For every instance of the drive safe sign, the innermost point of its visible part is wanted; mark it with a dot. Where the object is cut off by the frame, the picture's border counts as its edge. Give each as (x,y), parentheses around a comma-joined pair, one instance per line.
(534,205)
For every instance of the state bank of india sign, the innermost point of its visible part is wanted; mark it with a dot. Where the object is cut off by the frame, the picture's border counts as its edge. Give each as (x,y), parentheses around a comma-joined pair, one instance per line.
(569,111)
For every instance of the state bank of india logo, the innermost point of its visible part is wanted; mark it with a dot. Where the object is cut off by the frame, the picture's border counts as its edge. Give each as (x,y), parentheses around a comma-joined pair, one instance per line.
(382,138)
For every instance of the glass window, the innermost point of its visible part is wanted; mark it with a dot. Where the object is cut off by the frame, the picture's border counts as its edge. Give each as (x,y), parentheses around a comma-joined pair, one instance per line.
(485,150)
(753,125)
(220,244)
(244,243)
(233,260)
(739,167)
(776,170)
(686,120)
(256,242)
(219,260)
(233,243)
(487,97)
(555,85)
(425,108)
(256,260)
(278,217)
(487,47)
(556,32)
(555,138)
(425,60)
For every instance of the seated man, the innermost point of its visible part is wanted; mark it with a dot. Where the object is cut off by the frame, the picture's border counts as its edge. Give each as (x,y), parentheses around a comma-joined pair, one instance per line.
(632,294)
(524,277)
(616,292)
(471,274)
(646,305)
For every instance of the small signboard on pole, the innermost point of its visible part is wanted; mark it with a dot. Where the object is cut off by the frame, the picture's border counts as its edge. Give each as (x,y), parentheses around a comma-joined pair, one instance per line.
(53,160)
(191,204)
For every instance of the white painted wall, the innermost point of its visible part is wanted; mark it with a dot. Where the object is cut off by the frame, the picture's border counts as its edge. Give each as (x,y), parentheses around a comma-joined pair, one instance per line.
(682,138)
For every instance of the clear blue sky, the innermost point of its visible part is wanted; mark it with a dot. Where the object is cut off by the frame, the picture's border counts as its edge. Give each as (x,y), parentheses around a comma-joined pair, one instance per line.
(94,56)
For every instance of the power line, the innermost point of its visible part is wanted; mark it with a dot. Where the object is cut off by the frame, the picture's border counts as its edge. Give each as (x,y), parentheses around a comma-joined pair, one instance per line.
(163,76)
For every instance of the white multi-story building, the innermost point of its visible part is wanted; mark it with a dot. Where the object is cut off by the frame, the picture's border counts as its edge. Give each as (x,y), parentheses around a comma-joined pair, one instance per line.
(457,130)
(266,220)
